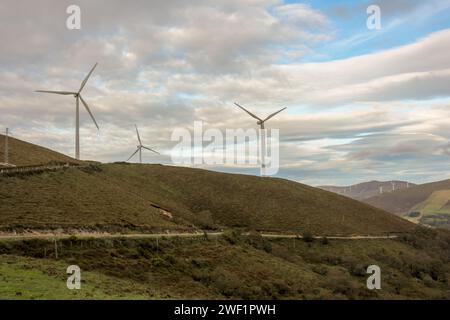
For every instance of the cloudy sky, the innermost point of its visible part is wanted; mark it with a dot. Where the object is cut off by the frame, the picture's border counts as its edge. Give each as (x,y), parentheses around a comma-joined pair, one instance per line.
(362,104)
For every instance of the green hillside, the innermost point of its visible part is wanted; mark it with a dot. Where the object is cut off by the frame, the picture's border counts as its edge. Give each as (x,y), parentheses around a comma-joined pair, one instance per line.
(123,197)
(415,266)
(236,264)
(22,153)
(425,203)
(434,211)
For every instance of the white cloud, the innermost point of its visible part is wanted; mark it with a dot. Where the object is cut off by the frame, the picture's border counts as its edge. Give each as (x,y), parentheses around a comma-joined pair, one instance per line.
(164,64)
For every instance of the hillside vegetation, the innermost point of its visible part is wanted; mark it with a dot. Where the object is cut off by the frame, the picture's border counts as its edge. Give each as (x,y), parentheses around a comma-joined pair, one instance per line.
(416,266)
(434,211)
(22,153)
(401,201)
(125,197)
(237,264)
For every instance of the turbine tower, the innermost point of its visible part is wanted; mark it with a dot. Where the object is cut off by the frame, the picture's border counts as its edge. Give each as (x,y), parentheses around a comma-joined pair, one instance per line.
(6,147)
(140,147)
(78,98)
(261,122)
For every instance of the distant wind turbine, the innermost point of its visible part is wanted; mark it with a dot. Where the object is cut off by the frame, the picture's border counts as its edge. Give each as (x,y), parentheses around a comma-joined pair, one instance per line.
(6,163)
(140,147)
(261,122)
(78,97)
(6,146)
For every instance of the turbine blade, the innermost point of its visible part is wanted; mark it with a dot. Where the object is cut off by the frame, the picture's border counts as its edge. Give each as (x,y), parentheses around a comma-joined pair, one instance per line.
(150,149)
(87,77)
(137,132)
(251,114)
(274,114)
(132,155)
(56,92)
(88,110)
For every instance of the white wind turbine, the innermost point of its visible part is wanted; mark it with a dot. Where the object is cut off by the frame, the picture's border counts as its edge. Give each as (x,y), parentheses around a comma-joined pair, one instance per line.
(6,163)
(78,97)
(140,147)
(261,122)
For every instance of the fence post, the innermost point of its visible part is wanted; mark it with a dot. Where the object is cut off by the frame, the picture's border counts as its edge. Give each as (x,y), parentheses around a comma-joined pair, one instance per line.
(56,249)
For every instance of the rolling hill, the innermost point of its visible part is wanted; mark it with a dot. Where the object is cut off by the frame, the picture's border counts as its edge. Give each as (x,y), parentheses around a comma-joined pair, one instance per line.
(156,197)
(426,203)
(401,201)
(415,266)
(434,211)
(129,197)
(236,264)
(22,153)
(369,189)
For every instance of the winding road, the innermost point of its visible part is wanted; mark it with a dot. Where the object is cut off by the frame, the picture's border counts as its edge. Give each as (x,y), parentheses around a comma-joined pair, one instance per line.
(50,236)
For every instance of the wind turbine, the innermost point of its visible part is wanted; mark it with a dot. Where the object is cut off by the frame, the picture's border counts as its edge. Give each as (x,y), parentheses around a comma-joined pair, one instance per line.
(6,163)
(140,146)
(78,97)
(6,146)
(261,122)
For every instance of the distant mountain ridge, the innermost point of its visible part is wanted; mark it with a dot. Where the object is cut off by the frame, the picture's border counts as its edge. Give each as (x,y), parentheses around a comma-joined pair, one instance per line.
(365,190)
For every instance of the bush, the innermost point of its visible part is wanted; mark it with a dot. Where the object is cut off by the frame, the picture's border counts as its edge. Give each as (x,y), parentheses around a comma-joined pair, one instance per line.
(257,241)
(308,236)
(320,269)
(232,236)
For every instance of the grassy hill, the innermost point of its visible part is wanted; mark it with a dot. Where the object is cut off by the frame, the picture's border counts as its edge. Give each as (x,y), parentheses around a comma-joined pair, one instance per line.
(426,203)
(416,266)
(434,211)
(22,153)
(132,197)
(401,201)
(125,198)
(369,189)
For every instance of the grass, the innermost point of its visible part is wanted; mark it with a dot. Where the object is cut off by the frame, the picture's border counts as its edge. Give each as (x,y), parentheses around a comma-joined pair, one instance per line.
(233,267)
(29,279)
(434,211)
(402,201)
(154,198)
(75,199)
(22,153)
(121,197)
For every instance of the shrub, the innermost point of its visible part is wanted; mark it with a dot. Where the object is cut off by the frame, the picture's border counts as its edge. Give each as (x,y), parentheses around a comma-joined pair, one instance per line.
(232,236)
(308,236)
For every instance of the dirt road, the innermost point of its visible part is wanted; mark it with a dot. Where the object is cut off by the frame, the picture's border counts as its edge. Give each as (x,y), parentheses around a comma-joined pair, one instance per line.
(50,236)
